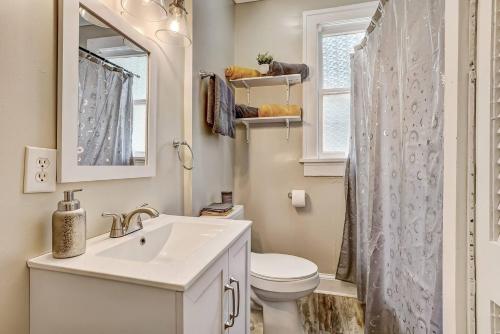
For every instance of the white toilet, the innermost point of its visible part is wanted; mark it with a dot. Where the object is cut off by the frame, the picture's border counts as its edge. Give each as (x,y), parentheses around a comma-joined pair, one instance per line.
(277,282)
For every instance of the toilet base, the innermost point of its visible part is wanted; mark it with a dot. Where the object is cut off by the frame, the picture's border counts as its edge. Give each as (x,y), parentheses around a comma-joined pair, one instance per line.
(279,317)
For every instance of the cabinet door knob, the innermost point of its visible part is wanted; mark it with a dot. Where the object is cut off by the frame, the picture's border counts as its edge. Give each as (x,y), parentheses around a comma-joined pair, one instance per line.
(230,322)
(231,281)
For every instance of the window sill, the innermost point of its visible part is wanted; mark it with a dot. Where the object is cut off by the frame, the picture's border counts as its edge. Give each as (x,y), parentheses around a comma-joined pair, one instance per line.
(324,167)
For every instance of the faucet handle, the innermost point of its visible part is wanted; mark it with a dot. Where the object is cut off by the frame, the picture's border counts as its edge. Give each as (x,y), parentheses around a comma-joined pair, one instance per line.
(117,227)
(112,215)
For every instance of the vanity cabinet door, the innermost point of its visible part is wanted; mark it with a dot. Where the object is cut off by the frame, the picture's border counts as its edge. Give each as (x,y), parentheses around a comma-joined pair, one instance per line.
(205,303)
(239,269)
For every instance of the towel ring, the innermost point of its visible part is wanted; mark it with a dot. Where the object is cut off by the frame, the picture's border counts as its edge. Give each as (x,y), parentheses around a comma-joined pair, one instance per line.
(177,145)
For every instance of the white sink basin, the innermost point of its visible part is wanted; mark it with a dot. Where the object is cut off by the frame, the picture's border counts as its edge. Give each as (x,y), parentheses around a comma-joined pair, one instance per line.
(170,252)
(169,243)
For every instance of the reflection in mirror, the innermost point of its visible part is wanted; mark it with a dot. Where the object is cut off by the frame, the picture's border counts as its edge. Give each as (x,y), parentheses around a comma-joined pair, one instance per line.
(112,96)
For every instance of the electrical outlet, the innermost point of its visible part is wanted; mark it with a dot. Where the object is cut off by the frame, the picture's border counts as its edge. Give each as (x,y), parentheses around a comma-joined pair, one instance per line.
(39,170)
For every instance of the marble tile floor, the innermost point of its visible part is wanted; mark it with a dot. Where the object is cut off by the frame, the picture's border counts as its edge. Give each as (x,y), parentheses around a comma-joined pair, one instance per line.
(323,314)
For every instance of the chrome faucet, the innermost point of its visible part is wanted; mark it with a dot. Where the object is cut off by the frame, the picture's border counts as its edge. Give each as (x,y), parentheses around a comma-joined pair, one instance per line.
(131,222)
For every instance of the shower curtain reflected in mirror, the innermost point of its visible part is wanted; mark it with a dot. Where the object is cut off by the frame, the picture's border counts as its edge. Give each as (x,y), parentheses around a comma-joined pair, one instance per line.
(396,169)
(105,114)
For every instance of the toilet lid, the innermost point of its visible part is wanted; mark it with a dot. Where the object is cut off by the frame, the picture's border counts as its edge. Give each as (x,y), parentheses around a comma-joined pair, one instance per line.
(282,267)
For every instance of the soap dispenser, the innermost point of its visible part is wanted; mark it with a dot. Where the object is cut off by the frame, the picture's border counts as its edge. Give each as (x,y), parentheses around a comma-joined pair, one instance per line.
(69,227)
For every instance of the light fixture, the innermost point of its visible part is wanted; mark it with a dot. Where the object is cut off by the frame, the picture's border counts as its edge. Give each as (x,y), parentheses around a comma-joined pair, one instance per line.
(91,19)
(176,29)
(148,10)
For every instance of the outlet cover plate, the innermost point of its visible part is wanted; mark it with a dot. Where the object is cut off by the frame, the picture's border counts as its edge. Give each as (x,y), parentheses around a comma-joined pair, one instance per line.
(39,170)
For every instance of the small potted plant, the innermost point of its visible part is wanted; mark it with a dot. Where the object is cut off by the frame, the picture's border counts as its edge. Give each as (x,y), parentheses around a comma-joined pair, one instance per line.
(264,60)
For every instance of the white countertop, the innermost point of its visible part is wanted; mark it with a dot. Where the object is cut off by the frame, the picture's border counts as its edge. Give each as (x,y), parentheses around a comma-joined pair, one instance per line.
(174,255)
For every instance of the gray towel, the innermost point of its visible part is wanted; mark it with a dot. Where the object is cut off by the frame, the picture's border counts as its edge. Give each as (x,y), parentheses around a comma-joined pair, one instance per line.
(220,107)
(278,68)
(243,111)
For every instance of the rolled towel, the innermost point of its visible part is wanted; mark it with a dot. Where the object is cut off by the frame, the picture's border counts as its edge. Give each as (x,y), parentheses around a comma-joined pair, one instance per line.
(237,72)
(273,110)
(279,68)
(243,111)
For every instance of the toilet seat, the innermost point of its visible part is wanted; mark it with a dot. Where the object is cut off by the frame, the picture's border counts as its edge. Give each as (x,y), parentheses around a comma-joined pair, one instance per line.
(281,267)
(283,273)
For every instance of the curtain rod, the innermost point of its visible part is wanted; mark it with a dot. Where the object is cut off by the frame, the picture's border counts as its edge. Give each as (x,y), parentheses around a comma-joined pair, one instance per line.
(107,61)
(373,23)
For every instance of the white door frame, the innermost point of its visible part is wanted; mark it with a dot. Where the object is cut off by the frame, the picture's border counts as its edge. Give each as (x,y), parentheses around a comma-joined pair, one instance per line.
(455,168)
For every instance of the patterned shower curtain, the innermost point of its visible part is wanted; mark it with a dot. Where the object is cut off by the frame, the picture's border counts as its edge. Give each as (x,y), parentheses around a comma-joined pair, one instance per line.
(397,154)
(105,114)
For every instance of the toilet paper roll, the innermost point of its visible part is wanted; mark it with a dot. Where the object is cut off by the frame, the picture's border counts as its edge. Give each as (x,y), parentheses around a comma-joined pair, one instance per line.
(299,198)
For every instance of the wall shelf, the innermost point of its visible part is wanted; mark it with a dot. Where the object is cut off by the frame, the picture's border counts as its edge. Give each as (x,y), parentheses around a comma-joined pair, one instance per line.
(279,80)
(268,120)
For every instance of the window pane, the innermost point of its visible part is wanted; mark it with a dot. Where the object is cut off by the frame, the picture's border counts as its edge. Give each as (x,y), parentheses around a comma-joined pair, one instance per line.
(336,59)
(137,65)
(336,122)
(139,128)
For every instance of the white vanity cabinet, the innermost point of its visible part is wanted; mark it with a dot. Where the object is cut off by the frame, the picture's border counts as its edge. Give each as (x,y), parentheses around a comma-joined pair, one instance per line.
(66,300)
(207,306)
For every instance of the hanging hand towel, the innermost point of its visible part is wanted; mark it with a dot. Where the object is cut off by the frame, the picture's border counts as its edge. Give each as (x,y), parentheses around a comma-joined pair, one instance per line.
(220,107)
(278,68)
(274,110)
(237,72)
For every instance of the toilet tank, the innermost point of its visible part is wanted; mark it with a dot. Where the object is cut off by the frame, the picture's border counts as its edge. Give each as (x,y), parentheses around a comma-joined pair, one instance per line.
(238,213)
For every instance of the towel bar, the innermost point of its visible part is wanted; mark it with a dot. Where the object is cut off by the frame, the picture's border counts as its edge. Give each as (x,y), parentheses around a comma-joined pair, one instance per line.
(204,74)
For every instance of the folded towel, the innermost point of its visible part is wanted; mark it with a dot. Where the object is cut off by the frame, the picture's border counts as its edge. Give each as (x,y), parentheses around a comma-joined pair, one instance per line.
(243,111)
(237,72)
(278,68)
(219,207)
(215,214)
(220,107)
(272,110)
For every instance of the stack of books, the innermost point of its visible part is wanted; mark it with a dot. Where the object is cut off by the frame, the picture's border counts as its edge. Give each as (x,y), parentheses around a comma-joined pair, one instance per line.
(217,209)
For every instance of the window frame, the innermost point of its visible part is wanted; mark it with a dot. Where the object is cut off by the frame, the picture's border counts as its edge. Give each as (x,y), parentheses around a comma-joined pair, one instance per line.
(140,156)
(316,24)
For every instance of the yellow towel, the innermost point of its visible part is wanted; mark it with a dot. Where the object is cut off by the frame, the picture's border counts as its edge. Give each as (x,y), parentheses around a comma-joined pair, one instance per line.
(237,72)
(272,110)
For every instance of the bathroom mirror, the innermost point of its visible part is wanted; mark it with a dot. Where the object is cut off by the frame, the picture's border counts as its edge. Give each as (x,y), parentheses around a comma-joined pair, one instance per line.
(107,85)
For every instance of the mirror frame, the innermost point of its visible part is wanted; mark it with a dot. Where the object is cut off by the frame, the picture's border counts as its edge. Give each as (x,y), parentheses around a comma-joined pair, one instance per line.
(68,169)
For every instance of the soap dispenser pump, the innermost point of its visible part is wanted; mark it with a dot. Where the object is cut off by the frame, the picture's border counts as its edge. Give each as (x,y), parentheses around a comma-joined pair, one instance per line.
(69,227)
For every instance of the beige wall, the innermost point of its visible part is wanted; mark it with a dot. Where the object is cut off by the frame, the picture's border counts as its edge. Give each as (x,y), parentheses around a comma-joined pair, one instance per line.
(28,48)
(213,40)
(268,168)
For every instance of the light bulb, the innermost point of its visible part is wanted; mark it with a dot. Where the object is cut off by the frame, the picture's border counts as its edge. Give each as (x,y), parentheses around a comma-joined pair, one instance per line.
(175,25)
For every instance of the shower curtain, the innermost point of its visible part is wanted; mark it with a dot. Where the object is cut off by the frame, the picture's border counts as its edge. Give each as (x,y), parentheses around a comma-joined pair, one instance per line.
(396,166)
(105,115)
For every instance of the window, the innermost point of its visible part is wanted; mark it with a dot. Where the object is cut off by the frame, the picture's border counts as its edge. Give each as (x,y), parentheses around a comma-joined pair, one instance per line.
(335,91)
(329,39)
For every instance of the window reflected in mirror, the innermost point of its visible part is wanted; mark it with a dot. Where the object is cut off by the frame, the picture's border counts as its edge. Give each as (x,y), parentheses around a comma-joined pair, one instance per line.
(112,96)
